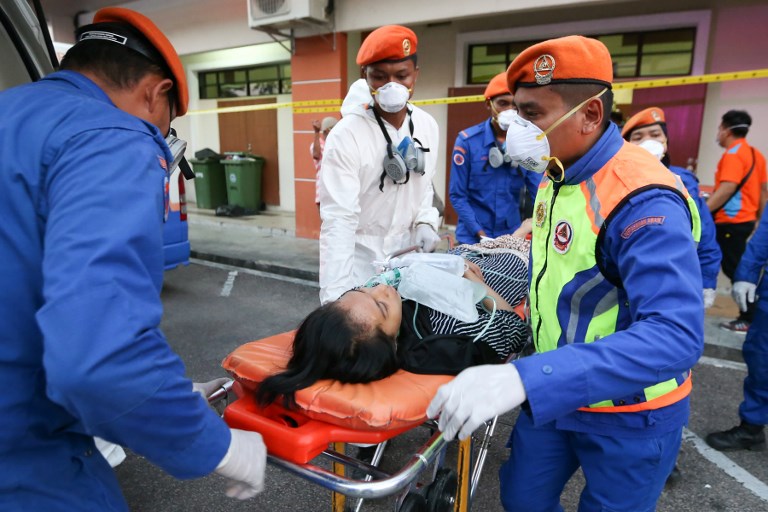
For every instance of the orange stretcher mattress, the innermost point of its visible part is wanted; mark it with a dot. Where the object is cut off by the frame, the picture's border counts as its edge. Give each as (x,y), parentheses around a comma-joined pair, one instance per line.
(398,402)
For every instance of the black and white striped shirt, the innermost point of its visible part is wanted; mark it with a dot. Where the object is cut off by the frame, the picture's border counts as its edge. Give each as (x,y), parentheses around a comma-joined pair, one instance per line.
(507,274)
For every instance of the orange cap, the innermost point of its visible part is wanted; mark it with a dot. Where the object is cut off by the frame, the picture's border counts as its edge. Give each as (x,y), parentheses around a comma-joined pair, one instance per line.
(647,117)
(571,59)
(497,86)
(390,42)
(160,43)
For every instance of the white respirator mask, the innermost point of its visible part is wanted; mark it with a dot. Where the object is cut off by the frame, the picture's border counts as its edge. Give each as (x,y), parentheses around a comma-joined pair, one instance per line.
(392,97)
(654,147)
(527,144)
(504,118)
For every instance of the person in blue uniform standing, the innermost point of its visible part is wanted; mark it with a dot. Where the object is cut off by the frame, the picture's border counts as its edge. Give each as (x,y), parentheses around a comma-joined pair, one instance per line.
(750,286)
(83,197)
(648,128)
(485,189)
(616,306)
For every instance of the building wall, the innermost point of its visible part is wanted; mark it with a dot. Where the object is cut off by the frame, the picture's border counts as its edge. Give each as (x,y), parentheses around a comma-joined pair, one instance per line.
(200,128)
(738,43)
(732,38)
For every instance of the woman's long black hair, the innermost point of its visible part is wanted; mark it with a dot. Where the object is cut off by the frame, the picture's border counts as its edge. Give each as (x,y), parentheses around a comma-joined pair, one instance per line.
(330,345)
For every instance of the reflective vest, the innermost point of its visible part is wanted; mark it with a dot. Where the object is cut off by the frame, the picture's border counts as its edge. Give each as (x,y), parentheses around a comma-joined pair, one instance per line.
(571,294)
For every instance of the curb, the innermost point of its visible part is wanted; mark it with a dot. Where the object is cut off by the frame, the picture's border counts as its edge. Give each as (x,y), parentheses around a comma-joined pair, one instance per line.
(262,266)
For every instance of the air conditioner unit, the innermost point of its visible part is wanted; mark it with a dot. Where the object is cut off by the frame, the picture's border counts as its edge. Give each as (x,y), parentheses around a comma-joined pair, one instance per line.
(278,14)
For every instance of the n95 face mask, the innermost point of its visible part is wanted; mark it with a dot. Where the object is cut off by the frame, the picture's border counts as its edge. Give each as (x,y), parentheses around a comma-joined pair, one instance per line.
(504,118)
(392,97)
(527,144)
(654,147)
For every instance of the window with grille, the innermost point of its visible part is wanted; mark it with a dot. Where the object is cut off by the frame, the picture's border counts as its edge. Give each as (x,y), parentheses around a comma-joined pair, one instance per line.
(634,54)
(244,82)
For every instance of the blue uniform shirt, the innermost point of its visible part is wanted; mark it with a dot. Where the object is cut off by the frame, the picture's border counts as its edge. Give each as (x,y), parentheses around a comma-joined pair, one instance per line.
(660,326)
(485,198)
(81,352)
(708,250)
(754,260)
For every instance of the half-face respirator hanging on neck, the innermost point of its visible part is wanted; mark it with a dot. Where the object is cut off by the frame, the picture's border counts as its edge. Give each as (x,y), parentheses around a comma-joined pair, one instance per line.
(497,157)
(399,162)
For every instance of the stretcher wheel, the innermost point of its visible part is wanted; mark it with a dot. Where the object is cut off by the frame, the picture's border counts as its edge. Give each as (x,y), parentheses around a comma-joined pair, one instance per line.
(441,494)
(413,503)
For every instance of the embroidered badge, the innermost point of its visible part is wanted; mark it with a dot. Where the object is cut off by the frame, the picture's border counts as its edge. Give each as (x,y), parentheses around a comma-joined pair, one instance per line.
(458,159)
(655,115)
(541,213)
(563,237)
(640,223)
(543,69)
(406,47)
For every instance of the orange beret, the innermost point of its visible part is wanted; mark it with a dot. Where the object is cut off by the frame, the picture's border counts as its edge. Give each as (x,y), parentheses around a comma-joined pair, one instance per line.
(571,59)
(647,117)
(390,42)
(157,39)
(497,86)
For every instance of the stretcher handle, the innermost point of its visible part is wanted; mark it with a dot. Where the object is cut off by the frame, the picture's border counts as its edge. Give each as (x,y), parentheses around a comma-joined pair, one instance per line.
(220,393)
(369,489)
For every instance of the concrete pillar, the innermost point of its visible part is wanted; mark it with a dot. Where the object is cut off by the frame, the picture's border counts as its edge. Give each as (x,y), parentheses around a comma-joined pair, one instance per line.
(318,72)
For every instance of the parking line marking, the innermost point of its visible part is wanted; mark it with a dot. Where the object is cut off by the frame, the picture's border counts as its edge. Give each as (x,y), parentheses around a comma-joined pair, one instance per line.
(729,467)
(229,284)
(723,363)
(259,273)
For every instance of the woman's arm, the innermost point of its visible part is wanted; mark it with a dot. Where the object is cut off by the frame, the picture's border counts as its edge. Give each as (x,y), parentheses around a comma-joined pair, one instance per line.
(473,273)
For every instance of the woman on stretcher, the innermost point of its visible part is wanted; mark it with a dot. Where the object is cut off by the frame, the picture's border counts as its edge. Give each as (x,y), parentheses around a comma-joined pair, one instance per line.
(370,332)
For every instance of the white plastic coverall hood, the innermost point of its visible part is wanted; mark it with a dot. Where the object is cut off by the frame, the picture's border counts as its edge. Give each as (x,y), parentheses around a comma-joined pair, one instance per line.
(360,223)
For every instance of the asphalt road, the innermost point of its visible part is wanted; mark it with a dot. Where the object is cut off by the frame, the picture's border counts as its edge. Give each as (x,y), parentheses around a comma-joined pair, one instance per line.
(210,310)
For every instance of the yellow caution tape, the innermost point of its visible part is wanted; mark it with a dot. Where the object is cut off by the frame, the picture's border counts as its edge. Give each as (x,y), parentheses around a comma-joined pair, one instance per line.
(315,106)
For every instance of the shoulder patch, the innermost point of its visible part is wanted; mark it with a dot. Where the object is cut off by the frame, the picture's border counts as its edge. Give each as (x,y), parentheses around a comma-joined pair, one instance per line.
(458,158)
(641,223)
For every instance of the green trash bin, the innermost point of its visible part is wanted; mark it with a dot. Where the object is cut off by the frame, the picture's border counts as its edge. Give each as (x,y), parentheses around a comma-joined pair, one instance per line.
(243,176)
(210,183)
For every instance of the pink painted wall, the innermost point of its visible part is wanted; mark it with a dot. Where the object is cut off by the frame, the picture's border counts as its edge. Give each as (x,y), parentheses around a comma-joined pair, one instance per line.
(738,42)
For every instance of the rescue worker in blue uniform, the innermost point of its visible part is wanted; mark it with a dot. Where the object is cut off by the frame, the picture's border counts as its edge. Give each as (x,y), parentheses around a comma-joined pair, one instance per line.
(617,312)
(486,190)
(648,128)
(82,200)
(750,286)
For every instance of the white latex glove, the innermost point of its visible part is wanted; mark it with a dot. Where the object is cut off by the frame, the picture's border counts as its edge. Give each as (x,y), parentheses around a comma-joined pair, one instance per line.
(743,292)
(245,463)
(709,297)
(426,237)
(207,388)
(475,396)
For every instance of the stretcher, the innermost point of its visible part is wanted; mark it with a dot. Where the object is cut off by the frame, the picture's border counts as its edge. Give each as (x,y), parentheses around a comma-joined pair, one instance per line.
(331,414)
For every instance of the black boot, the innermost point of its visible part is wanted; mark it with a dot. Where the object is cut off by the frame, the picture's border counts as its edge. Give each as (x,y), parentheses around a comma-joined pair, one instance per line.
(744,437)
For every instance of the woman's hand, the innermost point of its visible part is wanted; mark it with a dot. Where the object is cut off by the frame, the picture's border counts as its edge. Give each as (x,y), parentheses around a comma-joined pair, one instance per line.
(525,228)
(473,272)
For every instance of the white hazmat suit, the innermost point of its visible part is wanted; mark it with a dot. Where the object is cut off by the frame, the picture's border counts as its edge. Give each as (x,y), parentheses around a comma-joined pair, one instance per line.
(360,223)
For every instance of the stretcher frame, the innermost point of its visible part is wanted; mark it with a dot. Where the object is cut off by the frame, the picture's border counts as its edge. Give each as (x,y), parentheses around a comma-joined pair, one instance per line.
(400,483)
(377,483)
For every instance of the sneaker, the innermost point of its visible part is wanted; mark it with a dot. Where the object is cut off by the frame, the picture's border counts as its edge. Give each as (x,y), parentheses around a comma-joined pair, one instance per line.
(742,437)
(737,326)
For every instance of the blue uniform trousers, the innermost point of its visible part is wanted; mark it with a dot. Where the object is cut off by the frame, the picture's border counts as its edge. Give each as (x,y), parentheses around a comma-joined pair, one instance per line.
(622,473)
(754,408)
